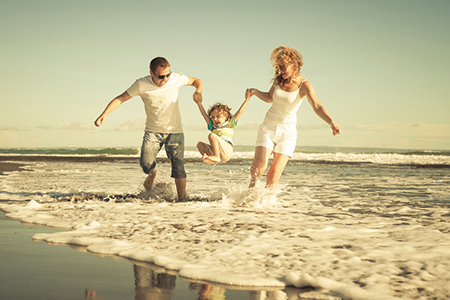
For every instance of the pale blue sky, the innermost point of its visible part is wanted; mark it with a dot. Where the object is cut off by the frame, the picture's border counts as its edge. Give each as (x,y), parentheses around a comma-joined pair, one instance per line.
(381,68)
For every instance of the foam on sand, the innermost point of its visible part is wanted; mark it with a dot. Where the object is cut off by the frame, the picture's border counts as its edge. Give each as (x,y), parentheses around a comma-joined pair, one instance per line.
(349,232)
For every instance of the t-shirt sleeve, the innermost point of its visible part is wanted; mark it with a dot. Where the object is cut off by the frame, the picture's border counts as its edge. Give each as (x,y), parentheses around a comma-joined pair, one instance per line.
(133,90)
(210,124)
(233,122)
(182,79)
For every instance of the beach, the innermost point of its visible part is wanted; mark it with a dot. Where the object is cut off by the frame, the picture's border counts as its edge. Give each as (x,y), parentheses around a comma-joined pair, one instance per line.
(37,270)
(343,225)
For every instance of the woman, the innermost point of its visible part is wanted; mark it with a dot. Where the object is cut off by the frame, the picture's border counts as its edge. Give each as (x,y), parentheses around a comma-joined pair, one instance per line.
(278,133)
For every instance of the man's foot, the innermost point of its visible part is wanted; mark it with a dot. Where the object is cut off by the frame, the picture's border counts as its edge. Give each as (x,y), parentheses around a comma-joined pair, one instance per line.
(148,183)
(211,159)
(184,199)
(181,189)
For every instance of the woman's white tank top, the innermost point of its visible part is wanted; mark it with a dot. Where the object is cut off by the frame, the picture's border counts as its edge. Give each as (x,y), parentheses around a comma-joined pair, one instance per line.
(284,107)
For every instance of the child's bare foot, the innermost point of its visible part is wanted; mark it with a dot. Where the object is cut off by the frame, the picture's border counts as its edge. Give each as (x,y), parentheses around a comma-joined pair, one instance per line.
(211,159)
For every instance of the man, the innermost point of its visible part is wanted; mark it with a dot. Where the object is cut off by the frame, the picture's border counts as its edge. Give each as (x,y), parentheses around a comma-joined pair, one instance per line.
(159,92)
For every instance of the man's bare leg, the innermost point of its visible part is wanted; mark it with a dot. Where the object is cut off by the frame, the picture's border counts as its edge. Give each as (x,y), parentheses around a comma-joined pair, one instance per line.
(148,183)
(181,188)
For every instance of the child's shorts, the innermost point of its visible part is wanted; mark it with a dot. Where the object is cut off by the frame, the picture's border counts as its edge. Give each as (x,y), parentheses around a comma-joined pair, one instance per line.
(225,149)
(279,139)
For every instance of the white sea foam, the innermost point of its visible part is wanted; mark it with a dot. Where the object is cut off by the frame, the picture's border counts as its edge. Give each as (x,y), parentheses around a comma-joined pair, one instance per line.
(350,232)
(376,158)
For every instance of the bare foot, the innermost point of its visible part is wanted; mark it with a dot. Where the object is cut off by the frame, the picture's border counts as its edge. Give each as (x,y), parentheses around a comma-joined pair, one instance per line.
(148,183)
(211,159)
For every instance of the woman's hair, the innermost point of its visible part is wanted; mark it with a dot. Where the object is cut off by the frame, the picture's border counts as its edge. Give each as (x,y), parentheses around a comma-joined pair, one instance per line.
(290,56)
(223,109)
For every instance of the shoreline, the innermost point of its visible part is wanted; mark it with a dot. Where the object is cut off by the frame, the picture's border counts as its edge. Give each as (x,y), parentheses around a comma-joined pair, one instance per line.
(136,279)
(8,162)
(71,158)
(11,159)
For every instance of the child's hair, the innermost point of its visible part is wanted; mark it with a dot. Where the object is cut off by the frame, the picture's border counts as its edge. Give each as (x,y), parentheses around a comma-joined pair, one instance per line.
(223,108)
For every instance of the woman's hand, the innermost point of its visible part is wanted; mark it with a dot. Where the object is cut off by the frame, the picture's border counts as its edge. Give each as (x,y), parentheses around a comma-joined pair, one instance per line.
(249,93)
(99,121)
(335,128)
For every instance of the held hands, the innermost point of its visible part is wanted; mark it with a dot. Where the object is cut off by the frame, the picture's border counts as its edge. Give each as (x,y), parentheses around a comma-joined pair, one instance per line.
(249,93)
(198,98)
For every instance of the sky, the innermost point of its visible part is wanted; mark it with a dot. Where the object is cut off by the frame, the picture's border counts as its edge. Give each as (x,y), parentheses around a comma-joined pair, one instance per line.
(380,68)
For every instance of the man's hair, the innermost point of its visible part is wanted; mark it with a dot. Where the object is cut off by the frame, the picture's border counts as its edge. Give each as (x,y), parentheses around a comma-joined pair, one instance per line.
(158,62)
(222,108)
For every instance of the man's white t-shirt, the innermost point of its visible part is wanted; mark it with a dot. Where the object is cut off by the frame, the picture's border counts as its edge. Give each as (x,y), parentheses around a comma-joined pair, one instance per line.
(161,103)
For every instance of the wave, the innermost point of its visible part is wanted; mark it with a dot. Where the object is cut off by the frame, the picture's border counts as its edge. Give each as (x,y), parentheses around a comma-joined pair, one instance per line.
(237,148)
(244,155)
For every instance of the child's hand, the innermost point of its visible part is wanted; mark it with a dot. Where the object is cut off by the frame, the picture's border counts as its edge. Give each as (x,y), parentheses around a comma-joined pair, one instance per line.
(197,97)
(249,93)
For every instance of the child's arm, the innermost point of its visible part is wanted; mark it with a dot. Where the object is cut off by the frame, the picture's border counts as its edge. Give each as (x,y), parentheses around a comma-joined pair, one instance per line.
(202,111)
(238,114)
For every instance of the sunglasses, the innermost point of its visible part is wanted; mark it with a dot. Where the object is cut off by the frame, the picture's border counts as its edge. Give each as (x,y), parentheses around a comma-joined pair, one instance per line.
(283,68)
(164,76)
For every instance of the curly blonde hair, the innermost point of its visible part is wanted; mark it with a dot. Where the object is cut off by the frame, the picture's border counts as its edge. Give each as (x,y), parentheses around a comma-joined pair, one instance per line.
(290,56)
(223,109)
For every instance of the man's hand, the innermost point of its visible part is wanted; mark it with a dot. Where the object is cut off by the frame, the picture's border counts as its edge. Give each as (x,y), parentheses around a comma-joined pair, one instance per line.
(198,98)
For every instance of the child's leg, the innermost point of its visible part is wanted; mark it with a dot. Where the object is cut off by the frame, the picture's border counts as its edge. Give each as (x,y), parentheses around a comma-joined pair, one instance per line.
(204,148)
(215,157)
(206,151)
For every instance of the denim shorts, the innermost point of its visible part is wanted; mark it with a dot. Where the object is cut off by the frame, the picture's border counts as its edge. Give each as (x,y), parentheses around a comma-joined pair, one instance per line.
(174,145)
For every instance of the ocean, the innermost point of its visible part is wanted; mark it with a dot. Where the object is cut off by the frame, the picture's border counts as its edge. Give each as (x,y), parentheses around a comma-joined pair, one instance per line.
(350,223)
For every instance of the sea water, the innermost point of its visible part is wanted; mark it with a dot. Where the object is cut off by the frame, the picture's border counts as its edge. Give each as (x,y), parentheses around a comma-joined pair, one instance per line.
(351,224)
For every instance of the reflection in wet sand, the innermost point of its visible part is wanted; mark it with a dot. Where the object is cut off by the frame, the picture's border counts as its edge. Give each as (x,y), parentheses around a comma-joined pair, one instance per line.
(151,285)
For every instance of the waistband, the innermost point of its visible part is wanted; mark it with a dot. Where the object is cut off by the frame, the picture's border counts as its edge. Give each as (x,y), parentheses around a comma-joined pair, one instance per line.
(276,125)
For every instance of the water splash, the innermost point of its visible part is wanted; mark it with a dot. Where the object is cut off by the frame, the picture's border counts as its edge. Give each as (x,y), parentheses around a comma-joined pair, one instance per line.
(258,196)
(162,191)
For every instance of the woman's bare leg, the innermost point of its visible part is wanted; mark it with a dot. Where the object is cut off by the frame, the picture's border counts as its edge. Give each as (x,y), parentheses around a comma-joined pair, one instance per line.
(276,169)
(260,160)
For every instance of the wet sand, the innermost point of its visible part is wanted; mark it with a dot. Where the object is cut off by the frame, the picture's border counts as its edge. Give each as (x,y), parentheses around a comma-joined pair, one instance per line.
(36,270)
(10,167)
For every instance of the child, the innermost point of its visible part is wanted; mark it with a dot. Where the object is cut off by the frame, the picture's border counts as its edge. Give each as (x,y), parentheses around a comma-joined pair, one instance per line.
(221,123)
